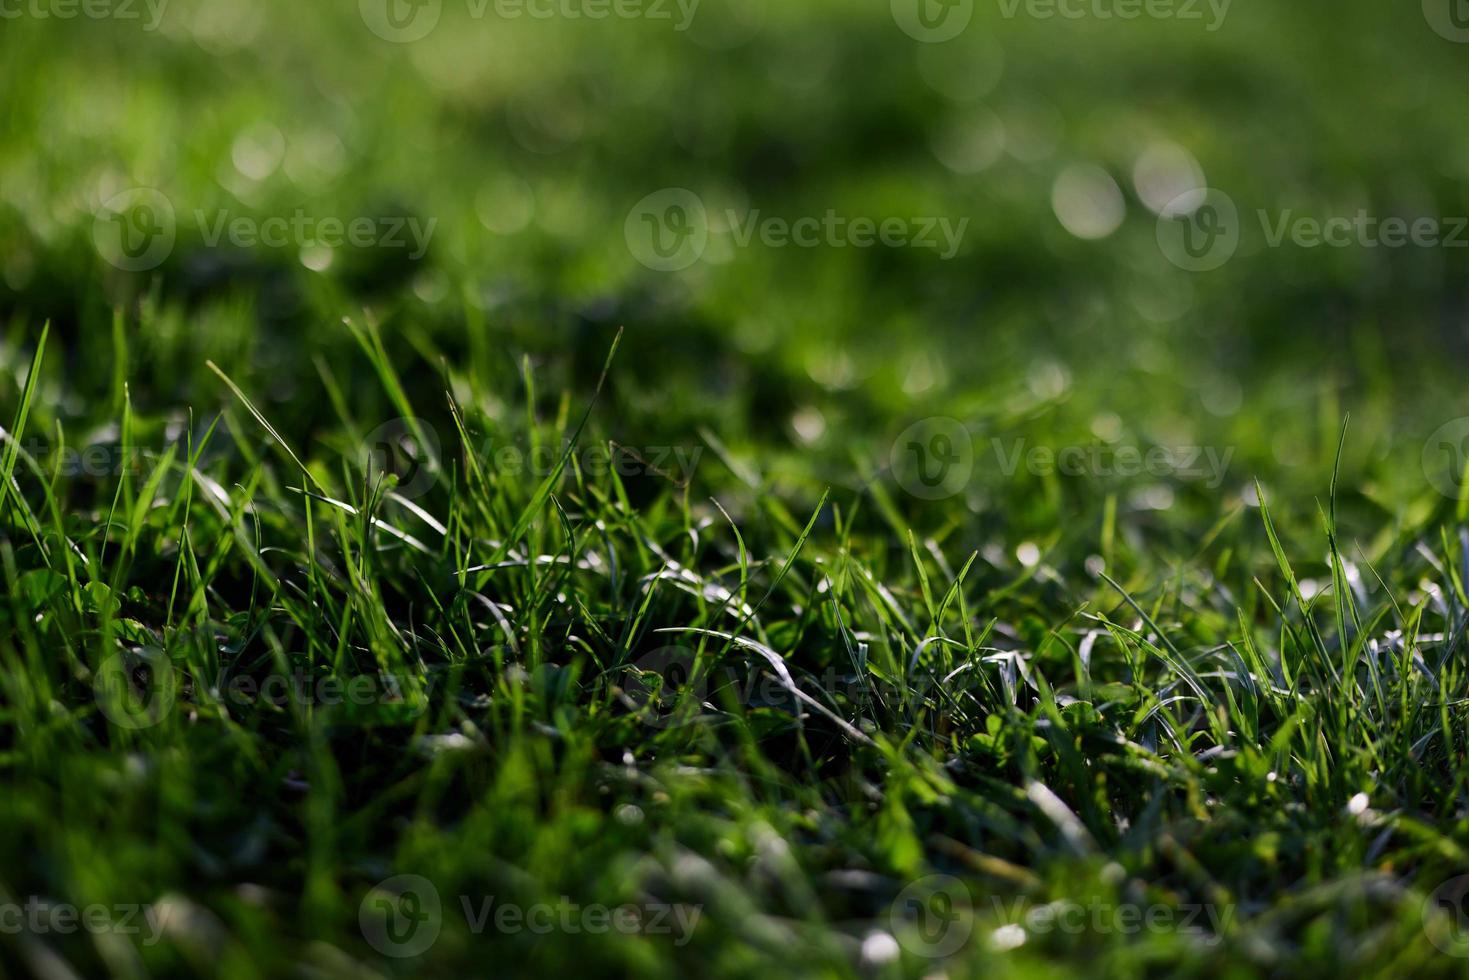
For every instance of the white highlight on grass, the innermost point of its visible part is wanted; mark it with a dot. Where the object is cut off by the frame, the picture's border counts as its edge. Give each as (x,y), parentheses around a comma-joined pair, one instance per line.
(879,948)
(809,424)
(317,258)
(1107,427)
(1088,202)
(1007,937)
(258,151)
(1163,174)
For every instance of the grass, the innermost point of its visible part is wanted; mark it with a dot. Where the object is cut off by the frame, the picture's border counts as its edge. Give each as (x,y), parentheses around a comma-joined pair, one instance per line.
(519,608)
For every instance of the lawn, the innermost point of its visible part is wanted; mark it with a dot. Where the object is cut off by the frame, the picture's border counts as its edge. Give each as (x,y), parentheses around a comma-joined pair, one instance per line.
(733,488)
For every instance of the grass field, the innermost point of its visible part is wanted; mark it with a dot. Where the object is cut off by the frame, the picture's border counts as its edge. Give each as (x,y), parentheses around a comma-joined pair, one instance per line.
(733,489)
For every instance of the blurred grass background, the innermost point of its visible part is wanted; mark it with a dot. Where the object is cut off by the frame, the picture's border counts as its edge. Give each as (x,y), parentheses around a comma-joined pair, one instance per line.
(527,141)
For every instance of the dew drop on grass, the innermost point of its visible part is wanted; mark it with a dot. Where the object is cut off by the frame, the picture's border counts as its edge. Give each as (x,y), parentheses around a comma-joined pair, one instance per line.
(1088,202)
(1009,936)
(879,948)
(1164,172)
